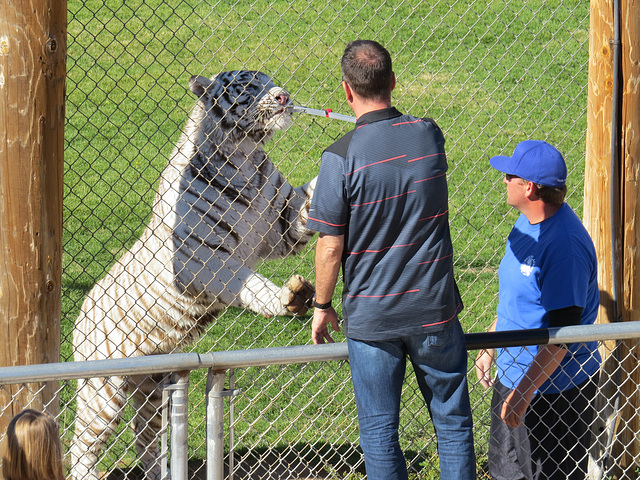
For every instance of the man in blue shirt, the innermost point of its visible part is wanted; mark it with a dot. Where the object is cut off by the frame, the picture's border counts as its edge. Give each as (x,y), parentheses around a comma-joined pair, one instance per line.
(542,397)
(381,207)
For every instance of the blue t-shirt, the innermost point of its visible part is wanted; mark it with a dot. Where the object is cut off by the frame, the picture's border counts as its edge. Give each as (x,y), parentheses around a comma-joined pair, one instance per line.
(547,266)
(383,185)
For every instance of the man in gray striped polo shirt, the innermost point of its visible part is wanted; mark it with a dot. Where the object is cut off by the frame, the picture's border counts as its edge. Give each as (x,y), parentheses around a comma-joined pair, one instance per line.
(381,207)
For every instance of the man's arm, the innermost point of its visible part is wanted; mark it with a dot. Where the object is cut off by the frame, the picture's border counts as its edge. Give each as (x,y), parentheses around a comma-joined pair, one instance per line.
(484,360)
(544,364)
(329,250)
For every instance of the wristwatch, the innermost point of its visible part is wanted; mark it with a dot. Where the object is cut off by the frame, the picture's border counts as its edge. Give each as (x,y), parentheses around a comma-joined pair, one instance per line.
(321,306)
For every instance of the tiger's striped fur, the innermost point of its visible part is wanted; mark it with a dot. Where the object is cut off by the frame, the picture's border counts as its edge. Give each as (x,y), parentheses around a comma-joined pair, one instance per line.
(221,207)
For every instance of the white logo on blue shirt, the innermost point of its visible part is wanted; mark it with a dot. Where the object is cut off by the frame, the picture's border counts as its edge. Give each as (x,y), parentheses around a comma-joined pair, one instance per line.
(526,268)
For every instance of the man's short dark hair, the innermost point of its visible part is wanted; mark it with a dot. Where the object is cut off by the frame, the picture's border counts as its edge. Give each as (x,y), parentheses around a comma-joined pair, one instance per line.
(366,67)
(551,195)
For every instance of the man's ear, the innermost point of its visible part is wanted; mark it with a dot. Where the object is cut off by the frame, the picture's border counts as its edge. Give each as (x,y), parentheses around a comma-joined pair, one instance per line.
(393,81)
(531,192)
(347,91)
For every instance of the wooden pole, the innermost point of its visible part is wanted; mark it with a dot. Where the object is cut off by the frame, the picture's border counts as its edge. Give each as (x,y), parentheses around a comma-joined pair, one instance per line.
(629,427)
(32,88)
(618,402)
(597,214)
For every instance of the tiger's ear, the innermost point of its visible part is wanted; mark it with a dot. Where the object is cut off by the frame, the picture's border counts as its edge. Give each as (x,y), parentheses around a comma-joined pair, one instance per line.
(199,85)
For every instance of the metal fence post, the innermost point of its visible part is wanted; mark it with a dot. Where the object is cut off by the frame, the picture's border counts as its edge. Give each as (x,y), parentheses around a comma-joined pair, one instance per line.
(179,425)
(164,437)
(215,425)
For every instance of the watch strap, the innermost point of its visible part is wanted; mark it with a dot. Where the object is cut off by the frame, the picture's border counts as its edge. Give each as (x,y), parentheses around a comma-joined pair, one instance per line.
(321,306)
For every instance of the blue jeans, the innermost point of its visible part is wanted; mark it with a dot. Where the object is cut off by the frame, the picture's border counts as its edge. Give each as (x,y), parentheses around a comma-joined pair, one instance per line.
(440,364)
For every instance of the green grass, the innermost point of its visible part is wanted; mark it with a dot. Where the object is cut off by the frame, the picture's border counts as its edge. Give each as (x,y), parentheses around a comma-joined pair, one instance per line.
(491,74)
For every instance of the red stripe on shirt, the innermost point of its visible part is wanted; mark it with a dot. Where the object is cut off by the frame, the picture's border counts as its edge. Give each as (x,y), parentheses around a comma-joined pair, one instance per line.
(327,223)
(377,163)
(436,260)
(387,295)
(430,178)
(382,250)
(405,123)
(433,216)
(426,156)
(444,321)
(383,200)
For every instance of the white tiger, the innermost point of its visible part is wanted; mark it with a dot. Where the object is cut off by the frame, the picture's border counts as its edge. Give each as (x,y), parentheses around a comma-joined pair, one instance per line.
(221,207)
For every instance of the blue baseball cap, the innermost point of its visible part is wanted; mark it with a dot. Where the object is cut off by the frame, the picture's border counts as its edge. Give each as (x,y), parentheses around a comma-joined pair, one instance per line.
(536,161)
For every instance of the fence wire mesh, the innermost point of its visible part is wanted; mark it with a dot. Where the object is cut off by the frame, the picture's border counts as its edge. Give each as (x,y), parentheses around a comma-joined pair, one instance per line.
(300,428)
(490,73)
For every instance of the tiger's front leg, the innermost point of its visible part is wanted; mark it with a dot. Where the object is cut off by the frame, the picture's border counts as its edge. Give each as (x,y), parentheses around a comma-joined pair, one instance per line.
(306,191)
(262,296)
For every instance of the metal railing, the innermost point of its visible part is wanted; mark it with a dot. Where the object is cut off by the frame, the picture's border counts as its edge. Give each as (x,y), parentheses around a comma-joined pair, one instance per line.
(175,404)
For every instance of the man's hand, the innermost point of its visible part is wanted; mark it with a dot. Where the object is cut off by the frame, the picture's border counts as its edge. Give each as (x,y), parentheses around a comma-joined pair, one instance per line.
(546,361)
(484,360)
(514,408)
(320,325)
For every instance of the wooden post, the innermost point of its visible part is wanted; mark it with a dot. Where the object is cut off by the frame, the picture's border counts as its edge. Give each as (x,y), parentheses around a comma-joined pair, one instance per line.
(620,364)
(630,212)
(32,88)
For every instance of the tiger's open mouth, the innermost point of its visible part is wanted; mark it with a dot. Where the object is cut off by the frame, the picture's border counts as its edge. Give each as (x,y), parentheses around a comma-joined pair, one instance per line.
(281,116)
(287,108)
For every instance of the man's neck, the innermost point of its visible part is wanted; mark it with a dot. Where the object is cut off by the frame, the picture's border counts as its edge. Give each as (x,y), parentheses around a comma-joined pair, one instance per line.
(360,108)
(539,211)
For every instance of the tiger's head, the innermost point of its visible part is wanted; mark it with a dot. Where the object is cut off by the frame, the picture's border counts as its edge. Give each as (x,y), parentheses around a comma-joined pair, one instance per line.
(243,104)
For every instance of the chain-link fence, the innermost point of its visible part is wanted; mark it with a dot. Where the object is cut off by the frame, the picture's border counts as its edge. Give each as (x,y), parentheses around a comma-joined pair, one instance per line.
(490,73)
(301,430)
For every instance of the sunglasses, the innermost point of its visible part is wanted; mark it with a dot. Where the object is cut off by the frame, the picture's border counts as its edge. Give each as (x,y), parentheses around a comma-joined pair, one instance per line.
(510,177)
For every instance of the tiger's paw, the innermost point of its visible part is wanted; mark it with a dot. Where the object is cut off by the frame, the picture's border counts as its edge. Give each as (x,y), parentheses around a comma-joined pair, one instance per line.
(297,295)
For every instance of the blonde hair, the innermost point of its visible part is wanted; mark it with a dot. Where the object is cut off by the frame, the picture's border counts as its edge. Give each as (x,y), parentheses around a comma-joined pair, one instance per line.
(31,449)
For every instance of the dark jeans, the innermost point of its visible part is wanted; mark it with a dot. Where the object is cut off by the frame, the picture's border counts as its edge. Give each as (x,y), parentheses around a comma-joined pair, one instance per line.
(553,443)
(440,364)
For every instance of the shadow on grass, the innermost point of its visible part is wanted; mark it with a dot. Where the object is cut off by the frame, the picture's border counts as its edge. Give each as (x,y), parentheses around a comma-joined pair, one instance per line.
(319,461)
(291,462)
